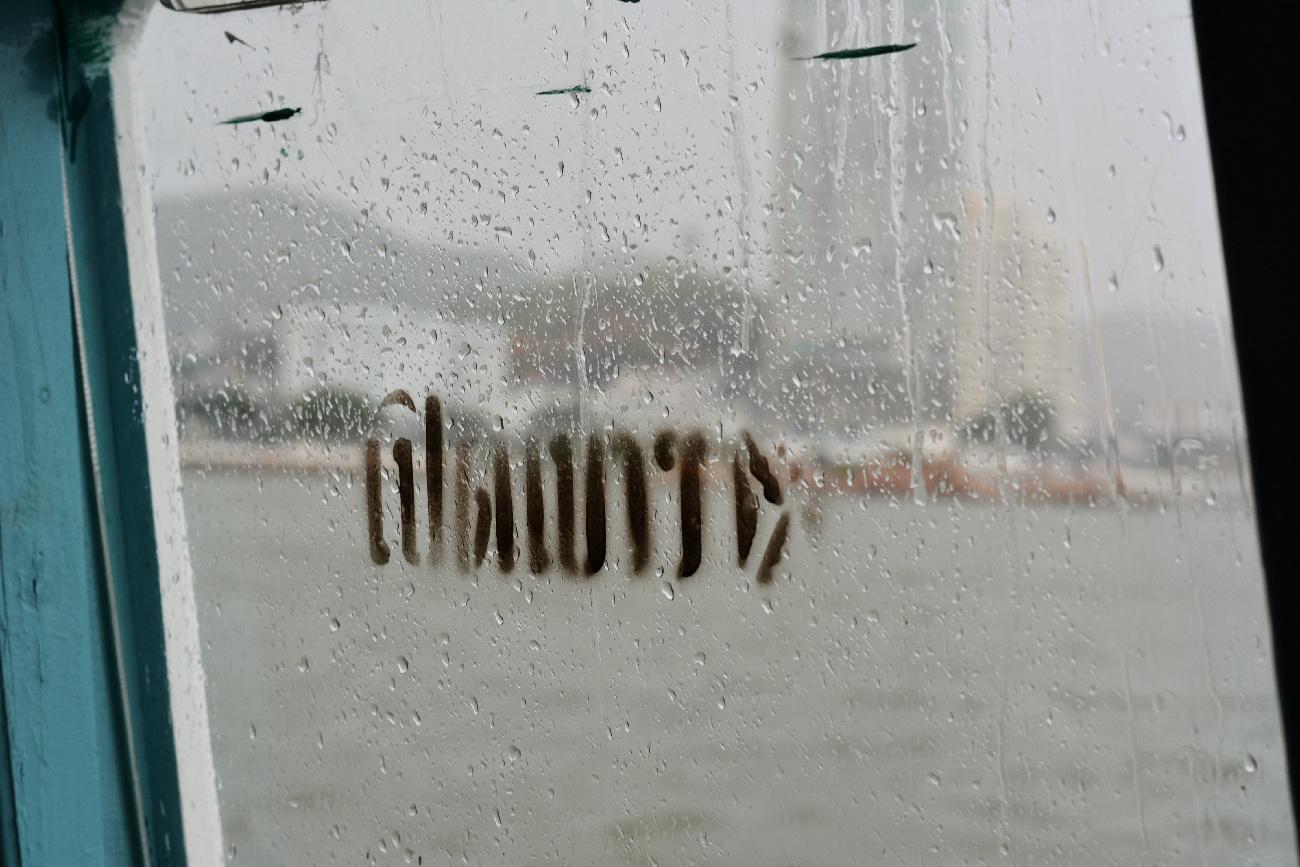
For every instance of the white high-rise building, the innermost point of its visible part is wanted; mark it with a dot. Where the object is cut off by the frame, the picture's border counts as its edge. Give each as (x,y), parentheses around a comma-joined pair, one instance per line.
(869,194)
(884,234)
(1018,326)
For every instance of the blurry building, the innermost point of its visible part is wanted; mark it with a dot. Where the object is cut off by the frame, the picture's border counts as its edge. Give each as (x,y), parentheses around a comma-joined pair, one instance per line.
(382,349)
(869,195)
(1019,326)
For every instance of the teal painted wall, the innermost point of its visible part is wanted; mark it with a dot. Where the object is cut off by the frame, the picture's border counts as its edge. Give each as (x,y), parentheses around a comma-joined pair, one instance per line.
(66,796)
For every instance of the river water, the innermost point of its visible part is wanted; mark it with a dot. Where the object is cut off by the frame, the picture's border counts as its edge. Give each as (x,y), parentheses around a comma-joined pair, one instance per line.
(941,683)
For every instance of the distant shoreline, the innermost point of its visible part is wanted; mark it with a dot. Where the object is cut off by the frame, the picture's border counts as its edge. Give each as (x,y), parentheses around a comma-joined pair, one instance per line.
(944,478)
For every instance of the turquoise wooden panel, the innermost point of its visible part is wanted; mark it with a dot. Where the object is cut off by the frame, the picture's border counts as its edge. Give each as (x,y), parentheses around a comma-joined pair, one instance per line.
(65,795)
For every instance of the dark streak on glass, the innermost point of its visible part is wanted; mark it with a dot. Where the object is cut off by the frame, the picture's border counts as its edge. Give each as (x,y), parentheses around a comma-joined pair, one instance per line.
(433,473)
(638,498)
(505,502)
(760,469)
(693,453)
(398,397)
(561,91)
(276,114)
(379,550)
(482,525)
(561,449)
(746,509)
(775,547)
(406,494)
(539,559)
(595,504)
(462,505)
(665,440)
(856,53)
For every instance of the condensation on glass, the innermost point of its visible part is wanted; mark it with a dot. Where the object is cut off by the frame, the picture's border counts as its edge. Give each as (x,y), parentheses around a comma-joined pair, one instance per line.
(670,433)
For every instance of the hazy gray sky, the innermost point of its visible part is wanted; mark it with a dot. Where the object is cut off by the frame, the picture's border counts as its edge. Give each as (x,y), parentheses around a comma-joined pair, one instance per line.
(1095,115)
(1081,118)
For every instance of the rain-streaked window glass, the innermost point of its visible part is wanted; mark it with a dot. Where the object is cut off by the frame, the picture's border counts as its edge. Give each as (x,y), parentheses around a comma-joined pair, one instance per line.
(710,432)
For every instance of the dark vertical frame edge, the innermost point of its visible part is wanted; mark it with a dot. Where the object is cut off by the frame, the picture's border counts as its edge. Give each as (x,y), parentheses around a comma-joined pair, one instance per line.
(1242,59)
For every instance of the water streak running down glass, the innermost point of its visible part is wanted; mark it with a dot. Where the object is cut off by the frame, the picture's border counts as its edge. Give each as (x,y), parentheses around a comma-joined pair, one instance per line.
(924,350)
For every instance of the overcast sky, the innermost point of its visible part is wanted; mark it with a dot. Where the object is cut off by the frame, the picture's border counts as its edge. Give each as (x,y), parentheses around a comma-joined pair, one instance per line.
(1080,117)
(1075,87)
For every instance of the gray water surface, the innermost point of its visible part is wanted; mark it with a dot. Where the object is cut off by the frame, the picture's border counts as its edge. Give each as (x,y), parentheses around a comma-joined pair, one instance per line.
(950,683)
